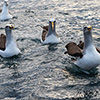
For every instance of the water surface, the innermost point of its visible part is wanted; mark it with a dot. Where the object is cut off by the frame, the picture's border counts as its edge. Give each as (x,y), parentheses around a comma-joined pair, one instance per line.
(43,72)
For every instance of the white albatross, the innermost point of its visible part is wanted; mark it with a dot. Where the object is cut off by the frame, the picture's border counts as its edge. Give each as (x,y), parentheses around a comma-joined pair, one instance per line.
(50,35)
(4,15)
(91,57)
(11,48)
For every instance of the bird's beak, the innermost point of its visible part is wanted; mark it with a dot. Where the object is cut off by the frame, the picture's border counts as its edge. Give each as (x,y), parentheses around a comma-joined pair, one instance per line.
(11,27)
(90,28)
(52,25)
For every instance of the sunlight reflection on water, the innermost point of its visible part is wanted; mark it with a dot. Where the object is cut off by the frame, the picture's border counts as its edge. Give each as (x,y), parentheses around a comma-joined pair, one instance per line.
(43,72)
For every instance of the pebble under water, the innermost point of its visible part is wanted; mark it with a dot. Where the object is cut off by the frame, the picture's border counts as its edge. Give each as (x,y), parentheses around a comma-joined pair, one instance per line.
(44,72)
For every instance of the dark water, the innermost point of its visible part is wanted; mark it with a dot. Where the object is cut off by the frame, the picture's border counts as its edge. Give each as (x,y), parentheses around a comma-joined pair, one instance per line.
(43,72)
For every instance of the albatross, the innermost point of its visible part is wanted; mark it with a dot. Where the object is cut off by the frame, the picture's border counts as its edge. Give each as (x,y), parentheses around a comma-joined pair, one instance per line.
(11,48)
(89,57)
(49,34)
(4,14)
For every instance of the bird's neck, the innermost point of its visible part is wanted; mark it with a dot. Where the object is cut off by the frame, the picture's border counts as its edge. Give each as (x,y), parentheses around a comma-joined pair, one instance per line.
(9,37)
(51,31)
(88,41)
(5,9)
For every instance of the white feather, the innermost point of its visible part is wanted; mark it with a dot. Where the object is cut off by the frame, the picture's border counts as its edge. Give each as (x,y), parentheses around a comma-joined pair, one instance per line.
(90,60)
(5,14)
(51,39)
(10,50)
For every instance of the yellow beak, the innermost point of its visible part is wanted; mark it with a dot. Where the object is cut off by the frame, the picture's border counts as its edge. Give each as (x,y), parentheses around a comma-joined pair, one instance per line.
(11,27)
(90,28)
(52,25)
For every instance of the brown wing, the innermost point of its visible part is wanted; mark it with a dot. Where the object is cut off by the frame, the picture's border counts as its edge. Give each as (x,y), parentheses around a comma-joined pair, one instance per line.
(44,33)
(2,41)
(0,10)
(81,45)
(73,50)
(45,27)
(98,50)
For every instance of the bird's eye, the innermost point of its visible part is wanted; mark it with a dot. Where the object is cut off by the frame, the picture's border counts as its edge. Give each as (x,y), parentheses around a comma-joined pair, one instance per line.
(7,27)
(85,27)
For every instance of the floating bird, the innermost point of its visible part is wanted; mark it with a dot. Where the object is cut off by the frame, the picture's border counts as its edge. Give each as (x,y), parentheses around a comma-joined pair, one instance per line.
(4,14)
(90,57)
(11,48)
(49,34)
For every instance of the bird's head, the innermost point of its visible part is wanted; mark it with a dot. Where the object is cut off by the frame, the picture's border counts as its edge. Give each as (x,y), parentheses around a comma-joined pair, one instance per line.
(6,2)
(52,23)
(87,29)
(9,27)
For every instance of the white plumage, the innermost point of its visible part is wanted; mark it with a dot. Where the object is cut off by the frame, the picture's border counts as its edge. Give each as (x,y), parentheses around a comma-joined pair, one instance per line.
(5,14)
(90,60)
(11,47)
(51,39)
(91,57)
(51,36)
